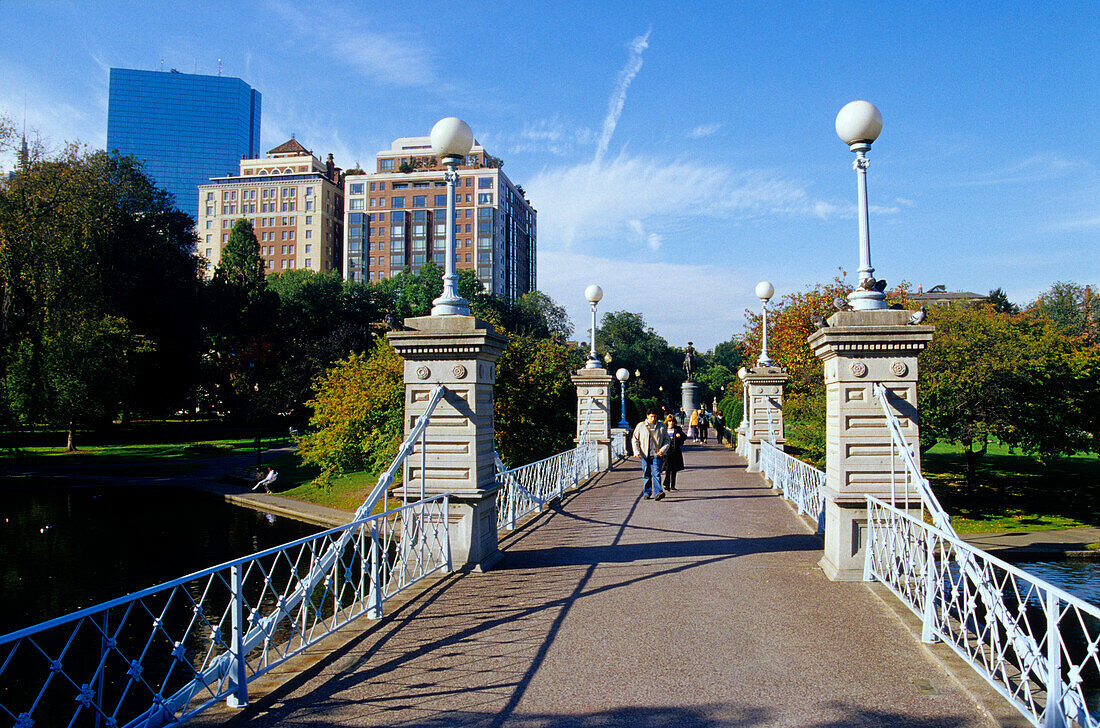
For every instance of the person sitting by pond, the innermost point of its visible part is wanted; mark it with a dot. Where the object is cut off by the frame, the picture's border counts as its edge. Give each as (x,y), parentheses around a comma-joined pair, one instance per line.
(271,477)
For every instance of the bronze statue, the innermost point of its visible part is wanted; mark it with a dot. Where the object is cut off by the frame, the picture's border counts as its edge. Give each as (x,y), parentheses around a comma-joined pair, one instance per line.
(689,360)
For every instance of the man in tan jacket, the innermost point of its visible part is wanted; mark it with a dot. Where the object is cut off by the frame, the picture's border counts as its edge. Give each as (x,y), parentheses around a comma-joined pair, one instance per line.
(650,442)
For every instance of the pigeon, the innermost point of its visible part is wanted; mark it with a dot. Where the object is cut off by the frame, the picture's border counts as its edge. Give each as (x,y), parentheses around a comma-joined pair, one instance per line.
(880,286)
(868,283)
(917,318)
(841,303)
(819,322)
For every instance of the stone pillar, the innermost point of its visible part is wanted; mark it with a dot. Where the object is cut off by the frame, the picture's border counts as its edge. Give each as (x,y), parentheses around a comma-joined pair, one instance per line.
(594,389)
(860,349)
(689,396)
(765,386)
(459,352)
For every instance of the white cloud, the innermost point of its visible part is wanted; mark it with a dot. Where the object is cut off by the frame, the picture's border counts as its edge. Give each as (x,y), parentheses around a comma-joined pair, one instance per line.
(386,60)
(618,98)
(1036,168)
(587,202)
(704,130)
(653,290)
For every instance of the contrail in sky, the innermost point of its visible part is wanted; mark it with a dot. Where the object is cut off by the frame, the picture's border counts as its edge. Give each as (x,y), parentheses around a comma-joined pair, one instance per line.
(615,106)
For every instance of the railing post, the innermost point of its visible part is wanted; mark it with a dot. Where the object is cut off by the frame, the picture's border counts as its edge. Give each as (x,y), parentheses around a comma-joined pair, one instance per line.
(594,413)
(1054,714)
(238,698)
(931,591)
(446,516)
(374,606)
(868,551)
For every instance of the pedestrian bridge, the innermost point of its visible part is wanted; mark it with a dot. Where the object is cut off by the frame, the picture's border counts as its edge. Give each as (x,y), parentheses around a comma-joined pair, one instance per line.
(705,609)
(721,605)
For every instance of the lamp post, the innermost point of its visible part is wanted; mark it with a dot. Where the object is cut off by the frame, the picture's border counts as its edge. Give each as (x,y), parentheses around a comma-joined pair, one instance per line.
(622,375)
(764,291)
(742,373)
(858,125)
(451,141)
(593,293)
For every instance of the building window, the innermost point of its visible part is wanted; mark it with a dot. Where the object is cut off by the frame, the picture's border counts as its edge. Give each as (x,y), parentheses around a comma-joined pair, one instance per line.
(469,182)
(420,201)
(225,237)
(355,204)
(440,200)
(485,198)
(309,204)
(484,213)
(209,252)
(309,234)
(356,189)
(397,202)
(385,164)
(309,262)
(467,257)
(309,219)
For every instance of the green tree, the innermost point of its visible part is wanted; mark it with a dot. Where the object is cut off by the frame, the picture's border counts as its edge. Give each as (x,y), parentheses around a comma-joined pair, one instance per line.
(1072,308)
(998,299)
(534,399)
(358,410)
(1014,378)
(87,238)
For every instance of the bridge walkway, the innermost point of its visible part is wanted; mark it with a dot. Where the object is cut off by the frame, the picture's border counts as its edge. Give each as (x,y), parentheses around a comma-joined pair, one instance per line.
(704,609)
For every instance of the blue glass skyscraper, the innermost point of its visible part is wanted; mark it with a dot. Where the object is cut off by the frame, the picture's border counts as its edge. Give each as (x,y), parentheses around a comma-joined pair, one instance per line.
(187,128)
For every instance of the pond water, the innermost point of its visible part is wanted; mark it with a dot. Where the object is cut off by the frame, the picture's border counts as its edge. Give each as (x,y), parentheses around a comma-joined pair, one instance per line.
(1079,578)
(65,549)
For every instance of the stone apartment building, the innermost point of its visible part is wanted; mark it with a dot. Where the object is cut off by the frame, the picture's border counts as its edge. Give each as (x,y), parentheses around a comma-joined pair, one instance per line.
(396,217)
(294,201)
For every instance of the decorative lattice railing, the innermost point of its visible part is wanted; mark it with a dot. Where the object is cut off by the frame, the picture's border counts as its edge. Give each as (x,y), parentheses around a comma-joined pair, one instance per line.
(161,655)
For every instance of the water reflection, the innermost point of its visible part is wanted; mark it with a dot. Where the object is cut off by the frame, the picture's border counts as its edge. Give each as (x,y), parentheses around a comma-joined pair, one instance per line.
(1079,578)
(64,549)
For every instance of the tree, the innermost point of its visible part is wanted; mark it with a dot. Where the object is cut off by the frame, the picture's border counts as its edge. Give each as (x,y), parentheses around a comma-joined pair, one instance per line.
(86,238)
(998,299)
(534,399)
(1014,378)
(358,410)
(1072,308)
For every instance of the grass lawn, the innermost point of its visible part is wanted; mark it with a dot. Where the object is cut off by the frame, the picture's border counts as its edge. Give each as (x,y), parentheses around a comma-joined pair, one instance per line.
(148,452)
(1015,492)
(346,493)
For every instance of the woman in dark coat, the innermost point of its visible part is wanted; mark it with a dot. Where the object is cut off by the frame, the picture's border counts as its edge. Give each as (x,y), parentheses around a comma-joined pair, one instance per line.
(674,457)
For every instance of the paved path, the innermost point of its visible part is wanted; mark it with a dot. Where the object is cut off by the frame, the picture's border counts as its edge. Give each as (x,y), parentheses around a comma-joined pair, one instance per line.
(705,609)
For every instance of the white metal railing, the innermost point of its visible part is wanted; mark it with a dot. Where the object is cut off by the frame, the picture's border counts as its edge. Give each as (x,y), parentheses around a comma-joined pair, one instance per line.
(1034,643)
(166,653)
(618,444)
(526,489)
(798,481)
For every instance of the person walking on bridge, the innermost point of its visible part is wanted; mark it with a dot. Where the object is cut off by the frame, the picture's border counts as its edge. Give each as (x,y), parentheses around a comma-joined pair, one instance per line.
(650,442)
(674,457)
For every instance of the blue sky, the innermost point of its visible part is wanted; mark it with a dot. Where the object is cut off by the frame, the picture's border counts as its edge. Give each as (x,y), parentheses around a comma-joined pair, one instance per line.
(677,153)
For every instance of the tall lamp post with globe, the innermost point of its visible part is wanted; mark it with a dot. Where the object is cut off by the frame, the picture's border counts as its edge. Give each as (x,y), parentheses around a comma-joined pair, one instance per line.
(865,346)
(453,349)
(858,125)
(451,141)
(623,375)
(594,393)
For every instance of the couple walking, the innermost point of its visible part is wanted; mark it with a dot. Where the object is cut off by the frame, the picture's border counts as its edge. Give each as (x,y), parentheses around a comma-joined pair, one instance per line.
(659,447)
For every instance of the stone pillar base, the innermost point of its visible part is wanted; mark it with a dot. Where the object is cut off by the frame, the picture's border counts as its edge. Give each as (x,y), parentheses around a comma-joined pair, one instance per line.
(689,396)
(846,539)
(603,454)
(473,527)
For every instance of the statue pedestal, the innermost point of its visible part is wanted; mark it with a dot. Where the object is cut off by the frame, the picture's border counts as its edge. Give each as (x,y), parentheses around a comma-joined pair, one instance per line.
(689,396)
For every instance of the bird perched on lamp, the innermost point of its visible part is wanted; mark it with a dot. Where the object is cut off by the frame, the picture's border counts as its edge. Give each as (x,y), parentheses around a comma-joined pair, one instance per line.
(841,303)
(819,322)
